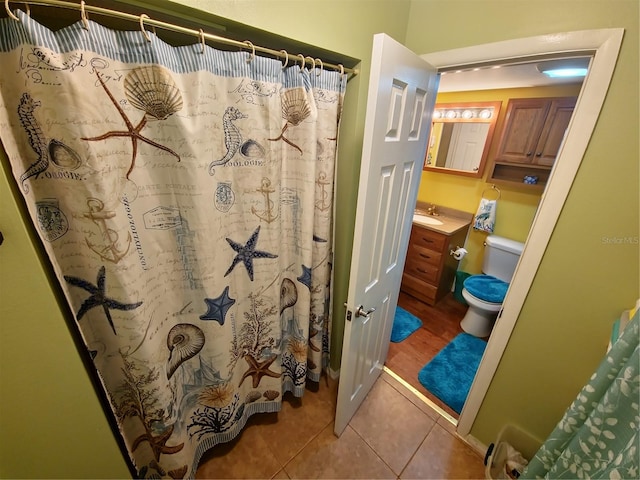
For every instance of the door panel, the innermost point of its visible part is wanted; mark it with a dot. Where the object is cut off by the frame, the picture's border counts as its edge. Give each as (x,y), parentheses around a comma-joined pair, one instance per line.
(400,104)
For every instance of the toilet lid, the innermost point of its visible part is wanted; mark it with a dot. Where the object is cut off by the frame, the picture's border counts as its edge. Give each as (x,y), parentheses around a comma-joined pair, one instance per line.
(487,288)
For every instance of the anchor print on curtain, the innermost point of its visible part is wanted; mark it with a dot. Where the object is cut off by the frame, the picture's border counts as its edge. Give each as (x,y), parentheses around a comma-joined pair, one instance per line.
(184,197)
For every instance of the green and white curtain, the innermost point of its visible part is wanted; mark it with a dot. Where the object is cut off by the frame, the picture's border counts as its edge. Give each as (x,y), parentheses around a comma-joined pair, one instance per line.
(184,197)
(598,435)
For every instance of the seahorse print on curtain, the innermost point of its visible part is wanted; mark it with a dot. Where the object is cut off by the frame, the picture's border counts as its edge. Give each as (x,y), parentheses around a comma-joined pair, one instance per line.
(36,139)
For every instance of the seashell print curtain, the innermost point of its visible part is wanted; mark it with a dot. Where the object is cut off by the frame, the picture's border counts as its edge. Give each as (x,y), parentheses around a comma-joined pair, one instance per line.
(184,197)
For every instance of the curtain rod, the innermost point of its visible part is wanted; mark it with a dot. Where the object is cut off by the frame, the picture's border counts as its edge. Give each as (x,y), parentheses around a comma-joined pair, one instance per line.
(144,19)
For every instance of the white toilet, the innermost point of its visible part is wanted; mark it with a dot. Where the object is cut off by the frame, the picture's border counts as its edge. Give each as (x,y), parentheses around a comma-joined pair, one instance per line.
(485,293)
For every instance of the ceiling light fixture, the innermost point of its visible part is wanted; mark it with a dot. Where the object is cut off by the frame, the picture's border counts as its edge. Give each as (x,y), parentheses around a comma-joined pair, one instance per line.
(564,68)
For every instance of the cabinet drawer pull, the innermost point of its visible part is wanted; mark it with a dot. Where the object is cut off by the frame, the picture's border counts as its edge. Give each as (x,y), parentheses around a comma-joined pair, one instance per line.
(539,154)
(428,240)
(529,154)
(424,256)
(422,271)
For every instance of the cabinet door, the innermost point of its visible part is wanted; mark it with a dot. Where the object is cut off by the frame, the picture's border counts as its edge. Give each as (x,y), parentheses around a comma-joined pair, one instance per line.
(554,129)
(524,123)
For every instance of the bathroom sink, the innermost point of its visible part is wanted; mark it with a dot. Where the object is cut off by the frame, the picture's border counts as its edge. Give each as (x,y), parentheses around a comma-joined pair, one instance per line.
(425,219)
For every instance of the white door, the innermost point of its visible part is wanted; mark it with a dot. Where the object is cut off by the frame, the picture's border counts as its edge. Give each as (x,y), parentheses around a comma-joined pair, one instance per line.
(402,92)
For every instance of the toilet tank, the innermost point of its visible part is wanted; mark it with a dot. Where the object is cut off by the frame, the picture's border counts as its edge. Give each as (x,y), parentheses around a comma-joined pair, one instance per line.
(501,256)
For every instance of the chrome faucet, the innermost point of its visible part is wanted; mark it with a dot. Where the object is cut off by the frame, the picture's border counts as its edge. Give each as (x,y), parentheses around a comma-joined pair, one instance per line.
(431,210)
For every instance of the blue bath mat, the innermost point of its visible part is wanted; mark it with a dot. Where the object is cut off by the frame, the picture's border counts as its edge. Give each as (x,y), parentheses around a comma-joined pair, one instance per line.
(404,324)
(450,373)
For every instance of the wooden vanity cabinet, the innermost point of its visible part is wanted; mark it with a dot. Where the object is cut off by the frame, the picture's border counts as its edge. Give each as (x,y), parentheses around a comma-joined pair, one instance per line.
(429,270)
(531,137)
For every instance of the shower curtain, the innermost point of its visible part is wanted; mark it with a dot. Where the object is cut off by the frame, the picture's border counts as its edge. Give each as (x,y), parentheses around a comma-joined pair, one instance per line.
(598,435)
(184,198)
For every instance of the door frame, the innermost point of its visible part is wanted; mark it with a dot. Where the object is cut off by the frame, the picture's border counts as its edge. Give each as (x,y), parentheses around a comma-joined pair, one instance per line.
(604,45)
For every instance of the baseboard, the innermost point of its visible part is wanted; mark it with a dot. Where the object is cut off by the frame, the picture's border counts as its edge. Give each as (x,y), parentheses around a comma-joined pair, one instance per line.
(474,443)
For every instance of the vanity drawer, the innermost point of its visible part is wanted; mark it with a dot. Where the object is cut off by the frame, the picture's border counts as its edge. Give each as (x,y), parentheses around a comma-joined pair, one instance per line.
(423,255)
(424,238)
(423,271)
(419,289)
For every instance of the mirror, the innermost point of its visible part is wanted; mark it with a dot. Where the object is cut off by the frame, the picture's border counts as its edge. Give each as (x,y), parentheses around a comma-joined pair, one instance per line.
(461,137)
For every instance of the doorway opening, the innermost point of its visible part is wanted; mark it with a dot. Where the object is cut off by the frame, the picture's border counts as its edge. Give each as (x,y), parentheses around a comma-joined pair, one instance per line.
(605,45)
(441,322)
(444,317)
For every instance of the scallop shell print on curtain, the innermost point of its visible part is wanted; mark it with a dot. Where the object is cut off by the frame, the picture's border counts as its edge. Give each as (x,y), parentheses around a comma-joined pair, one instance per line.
(187,217)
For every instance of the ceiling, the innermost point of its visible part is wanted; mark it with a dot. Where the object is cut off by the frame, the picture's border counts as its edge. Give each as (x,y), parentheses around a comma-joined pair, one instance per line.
(505,76)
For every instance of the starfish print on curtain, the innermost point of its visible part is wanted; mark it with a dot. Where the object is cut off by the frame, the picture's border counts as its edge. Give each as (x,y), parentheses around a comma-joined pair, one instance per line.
(150,89)
(257,370)
(247,252)
(218,307)
(99,297)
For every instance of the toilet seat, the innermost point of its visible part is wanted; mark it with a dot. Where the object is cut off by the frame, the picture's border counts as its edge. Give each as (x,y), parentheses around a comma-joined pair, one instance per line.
(474,301)
(486,289)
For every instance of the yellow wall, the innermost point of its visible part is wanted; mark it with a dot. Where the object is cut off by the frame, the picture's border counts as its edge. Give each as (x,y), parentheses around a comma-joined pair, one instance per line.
(517,205)
(584,281)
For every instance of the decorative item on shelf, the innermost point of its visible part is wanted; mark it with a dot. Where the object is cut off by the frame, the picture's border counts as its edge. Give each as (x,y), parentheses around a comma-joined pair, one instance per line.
(530,179)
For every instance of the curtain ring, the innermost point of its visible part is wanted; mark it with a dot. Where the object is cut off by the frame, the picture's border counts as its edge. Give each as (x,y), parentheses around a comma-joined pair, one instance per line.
(26,5)
(9,12)
(144,32)
(253,51)
(321,66)
(312,61)
(302,61)
(286,62)
(83,16)
(202,40)
(341,71)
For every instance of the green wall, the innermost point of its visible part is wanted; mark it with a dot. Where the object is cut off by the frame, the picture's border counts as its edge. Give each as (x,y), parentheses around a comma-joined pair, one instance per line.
(51,420)
(584,280)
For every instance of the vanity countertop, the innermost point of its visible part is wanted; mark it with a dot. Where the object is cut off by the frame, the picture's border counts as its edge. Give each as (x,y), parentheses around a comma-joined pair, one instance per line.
(452,220)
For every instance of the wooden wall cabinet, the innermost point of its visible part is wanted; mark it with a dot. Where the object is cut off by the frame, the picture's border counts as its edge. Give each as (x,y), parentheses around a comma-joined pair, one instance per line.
(429,270)
(531,138)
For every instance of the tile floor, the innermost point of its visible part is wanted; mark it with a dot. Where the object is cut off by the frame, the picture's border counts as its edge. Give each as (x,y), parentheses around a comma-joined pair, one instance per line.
(393,435)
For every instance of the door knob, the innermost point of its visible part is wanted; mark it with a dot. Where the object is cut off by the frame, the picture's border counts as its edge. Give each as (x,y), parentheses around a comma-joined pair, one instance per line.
(362,313)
